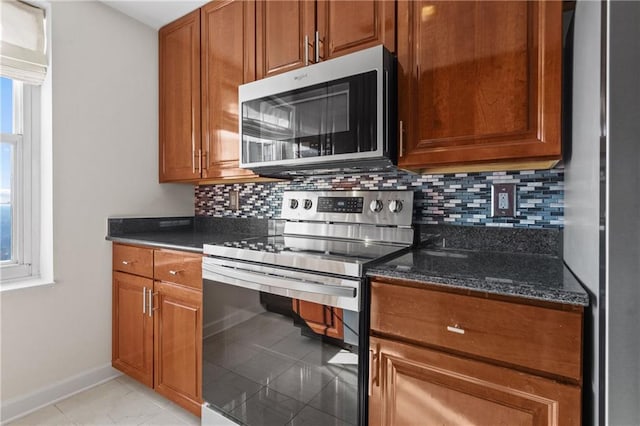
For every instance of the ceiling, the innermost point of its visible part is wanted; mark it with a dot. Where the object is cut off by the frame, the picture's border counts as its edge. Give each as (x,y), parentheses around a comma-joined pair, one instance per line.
(155,13)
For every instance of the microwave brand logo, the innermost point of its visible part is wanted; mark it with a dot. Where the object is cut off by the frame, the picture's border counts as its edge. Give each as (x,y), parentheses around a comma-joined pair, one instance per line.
(300,76)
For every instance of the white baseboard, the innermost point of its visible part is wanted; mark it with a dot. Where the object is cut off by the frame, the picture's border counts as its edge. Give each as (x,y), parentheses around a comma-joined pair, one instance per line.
(22,405)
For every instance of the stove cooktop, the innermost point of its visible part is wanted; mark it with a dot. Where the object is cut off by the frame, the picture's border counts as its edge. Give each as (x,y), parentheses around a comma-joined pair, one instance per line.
(344,257)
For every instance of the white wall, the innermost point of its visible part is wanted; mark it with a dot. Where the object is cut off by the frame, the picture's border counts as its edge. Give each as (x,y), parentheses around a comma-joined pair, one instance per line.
(105,162)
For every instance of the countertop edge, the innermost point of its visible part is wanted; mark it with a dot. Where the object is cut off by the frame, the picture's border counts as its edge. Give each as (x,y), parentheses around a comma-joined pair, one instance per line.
(501,289)
(156,244)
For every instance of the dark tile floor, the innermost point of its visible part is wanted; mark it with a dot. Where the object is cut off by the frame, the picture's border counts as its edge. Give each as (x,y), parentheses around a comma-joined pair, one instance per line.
(264,372)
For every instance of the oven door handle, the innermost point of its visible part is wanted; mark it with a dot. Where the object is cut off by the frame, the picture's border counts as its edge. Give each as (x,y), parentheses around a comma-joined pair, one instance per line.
(257,281)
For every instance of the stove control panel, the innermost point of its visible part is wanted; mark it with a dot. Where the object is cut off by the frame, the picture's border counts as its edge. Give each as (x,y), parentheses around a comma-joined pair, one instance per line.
(393,208)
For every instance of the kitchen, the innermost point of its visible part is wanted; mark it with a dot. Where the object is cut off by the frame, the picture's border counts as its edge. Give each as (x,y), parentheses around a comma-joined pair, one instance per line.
(104,125)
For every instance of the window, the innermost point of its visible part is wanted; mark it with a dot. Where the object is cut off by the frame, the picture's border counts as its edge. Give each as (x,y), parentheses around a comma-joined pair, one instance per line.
(18,203)
(23,66)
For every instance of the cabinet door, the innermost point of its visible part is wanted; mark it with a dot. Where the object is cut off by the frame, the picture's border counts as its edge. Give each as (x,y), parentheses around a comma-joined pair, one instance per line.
(417,386)
(322,319)
(132,333)
(348,26)
(281,27)
(179,96)
(178,344)
(228,60)
(479,82)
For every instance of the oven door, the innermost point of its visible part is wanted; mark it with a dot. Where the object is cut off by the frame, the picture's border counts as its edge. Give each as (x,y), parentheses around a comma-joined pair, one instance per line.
(266,360)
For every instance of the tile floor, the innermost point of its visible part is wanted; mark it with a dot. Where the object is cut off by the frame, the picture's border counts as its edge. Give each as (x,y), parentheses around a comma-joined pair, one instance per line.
(121,401)
(265,372)
(261,372)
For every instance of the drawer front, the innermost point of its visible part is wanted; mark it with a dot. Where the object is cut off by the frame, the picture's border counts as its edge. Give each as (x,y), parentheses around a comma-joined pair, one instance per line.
(534,337)
(133,260)
(178,267)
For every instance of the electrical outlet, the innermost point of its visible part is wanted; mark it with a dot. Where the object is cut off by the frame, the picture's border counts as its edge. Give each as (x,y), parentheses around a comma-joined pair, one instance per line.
(234,200)
(503,200)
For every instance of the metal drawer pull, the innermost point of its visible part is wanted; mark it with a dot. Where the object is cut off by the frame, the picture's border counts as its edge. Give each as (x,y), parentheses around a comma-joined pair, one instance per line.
(306,50)
(176,272)
(455,329)
(127,262)
(150,302)
(144,300)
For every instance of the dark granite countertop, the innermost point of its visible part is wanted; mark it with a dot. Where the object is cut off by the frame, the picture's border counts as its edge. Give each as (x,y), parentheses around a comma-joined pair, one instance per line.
(533,276)
(183,233)
(522,263)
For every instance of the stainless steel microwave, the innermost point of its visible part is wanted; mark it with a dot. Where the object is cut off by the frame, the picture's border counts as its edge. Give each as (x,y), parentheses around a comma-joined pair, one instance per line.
(332,116)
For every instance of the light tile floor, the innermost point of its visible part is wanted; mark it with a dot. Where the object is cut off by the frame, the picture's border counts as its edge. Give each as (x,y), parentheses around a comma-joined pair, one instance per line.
(121,401)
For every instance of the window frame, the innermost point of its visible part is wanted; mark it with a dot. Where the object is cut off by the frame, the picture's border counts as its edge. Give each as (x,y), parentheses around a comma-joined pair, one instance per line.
(25,191)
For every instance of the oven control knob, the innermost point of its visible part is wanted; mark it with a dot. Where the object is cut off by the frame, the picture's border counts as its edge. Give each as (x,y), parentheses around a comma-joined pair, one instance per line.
(376,206)
(293,204)
(307,204)
(395,206)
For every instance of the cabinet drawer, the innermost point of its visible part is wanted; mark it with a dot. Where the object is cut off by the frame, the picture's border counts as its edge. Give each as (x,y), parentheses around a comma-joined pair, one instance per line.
(178,267)
(534,337)
(133,260)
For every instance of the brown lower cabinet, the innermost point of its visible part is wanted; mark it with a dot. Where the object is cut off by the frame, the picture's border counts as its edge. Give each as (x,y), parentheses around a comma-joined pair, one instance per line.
(157,321)
(420,375)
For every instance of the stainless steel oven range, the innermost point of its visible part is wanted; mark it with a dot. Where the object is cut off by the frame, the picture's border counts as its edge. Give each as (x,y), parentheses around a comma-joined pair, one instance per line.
(285,328)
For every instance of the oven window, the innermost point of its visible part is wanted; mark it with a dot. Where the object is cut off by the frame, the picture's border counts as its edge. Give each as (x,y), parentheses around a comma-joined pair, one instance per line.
(264,363)
(331,118)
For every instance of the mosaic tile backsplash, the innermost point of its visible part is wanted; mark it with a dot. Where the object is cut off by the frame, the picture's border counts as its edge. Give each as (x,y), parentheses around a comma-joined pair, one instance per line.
(456,199)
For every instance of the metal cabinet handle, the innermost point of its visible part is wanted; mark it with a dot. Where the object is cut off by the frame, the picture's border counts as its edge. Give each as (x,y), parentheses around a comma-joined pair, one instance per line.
(317,47)
(144,300)
(455,329)
(176,272)
(401,139)
(193,140)
(306,50)
(199,161)
(150,302)
(127,262)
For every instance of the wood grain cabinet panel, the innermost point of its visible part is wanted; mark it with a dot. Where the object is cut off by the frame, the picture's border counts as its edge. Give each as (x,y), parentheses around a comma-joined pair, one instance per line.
(418,386)
(157,325)
(349,26)
(479,82)
(537,338)
(179,96)
(453,357)
(343,27)
(133,260)
(228,60)
(132,328)
(178,344)
(178,267)
(281,27)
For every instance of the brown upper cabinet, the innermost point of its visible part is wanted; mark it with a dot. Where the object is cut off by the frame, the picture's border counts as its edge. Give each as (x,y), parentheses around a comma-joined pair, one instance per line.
(179,96)
(228,60)
(290,32)
(479,83)
(204,56)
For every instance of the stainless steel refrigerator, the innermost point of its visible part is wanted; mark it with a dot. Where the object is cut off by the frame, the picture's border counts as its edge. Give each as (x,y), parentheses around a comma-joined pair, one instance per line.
(602,219)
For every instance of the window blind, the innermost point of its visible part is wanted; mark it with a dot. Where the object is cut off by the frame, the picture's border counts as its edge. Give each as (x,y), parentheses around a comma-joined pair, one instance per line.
(22,42)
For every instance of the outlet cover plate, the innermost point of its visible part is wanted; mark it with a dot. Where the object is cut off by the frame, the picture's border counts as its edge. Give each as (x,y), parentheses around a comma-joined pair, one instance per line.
(234,200)
(503,200)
